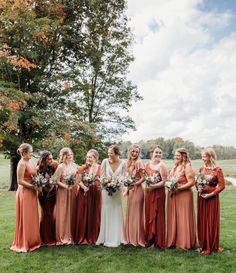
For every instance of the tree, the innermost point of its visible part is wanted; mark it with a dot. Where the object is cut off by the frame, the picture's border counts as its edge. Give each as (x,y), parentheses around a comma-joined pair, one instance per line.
(97,71)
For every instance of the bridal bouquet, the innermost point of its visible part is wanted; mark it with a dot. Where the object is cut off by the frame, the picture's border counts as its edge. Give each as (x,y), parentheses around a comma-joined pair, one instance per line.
(152,180)
(87,179)
(69,180)
(171,184)
(202,181)
(111,186)
(129,182)
(41,181)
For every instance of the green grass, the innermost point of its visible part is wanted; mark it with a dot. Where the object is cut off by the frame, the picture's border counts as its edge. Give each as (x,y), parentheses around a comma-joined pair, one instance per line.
(122,259)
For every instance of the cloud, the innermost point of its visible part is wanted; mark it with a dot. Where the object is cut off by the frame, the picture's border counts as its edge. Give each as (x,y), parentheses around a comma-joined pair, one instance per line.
(184,71)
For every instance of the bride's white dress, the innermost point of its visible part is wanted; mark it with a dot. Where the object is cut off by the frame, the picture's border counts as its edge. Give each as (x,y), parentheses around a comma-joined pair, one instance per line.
(112,222)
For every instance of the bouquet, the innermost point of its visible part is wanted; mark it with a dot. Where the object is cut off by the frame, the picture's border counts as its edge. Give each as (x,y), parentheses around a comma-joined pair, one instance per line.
(129,182)
(111,186)
(69,180)
(202,181)
(41,181)
(171,184)
(152,180)
(87,179)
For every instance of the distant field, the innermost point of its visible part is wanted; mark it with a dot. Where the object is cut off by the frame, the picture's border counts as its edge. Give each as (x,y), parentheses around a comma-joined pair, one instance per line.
(228,166)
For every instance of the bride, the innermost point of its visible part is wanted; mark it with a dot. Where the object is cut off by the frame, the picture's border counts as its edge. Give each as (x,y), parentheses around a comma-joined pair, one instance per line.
(112,222)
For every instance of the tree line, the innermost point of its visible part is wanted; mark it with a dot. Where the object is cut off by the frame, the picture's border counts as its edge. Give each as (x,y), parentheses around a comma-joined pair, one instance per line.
(170,145)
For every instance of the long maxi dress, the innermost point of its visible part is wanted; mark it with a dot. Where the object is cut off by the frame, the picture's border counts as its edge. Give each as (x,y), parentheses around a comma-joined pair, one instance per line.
(155,209)
(88,209)
(209,211)
(27,235)
(134,226)
(112,222)
(47,200)
(65,208)
(181,223)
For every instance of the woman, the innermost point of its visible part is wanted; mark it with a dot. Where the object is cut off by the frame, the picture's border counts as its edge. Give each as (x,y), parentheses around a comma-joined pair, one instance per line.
(181,226)
(134,227)
(208,203)
(47,199)
(88,212)
(155,200)
(27,235)
(113,170)
(66,177)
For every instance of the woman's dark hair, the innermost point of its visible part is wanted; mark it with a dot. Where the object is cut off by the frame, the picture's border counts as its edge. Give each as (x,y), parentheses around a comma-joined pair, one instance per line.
(115,149)
(42,163)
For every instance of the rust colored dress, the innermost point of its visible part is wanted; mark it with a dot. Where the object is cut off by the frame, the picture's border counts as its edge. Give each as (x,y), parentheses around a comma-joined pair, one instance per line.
(209,212)
(134,227)
(27,236)
(181,224)
(88,210)
(47,200)
(155,209)
(65,208)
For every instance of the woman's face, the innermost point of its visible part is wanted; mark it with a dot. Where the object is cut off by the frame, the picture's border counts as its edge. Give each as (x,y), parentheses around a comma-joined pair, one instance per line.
(68,157)
(49,160)
(157,155)
(90,159)
(178,158)
(111,154)
(135,153)
(206,159)
(28,155)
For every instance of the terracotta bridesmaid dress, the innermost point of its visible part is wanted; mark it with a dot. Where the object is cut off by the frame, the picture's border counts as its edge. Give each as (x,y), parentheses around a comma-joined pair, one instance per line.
(27,235)
(47,200)
(65,209)
(134,227)
(88,210)
(155,209)
(209,212)
(181,224)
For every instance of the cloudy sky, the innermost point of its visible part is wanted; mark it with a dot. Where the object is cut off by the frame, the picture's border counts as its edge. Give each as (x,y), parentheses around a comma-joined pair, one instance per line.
(185,69)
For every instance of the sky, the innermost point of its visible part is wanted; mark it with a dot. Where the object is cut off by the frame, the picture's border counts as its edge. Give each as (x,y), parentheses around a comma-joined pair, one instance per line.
(185,69)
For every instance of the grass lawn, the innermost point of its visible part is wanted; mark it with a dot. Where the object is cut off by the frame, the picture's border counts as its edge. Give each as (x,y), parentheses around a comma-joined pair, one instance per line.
(124,259)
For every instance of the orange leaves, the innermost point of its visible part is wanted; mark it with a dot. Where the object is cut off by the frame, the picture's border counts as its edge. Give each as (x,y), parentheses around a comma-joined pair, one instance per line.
(67,136)
(41,37)
(66,85)
(13,106)
(14,60)
(21,62)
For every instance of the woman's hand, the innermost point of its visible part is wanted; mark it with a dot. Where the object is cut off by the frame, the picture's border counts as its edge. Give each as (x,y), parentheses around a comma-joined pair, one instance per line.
(207,195)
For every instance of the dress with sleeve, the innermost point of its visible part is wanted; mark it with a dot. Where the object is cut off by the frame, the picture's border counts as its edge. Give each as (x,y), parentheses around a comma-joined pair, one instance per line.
(27,235)
(112,223)
(47,200)
(88,209)
(208,218)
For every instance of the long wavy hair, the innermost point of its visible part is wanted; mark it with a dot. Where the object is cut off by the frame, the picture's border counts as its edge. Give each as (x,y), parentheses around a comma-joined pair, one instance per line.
(185,157)
(64,152)
(42,163)
(134,146)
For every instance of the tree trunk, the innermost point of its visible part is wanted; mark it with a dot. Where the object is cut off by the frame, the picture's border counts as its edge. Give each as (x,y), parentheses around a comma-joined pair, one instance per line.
(14,159)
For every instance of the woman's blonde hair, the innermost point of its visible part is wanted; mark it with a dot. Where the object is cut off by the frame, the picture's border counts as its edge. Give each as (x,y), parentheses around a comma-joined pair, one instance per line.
(95,153)
(134,146)
(153,148)
(211,153)
(64,152)
(185,156)
(24,148)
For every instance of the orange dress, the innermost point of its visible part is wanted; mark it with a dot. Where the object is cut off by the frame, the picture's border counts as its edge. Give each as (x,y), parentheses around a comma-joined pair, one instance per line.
(209,211)
(88,210)
(181,224)
(65,211)
(27,235)
(155,209)
(134,227)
